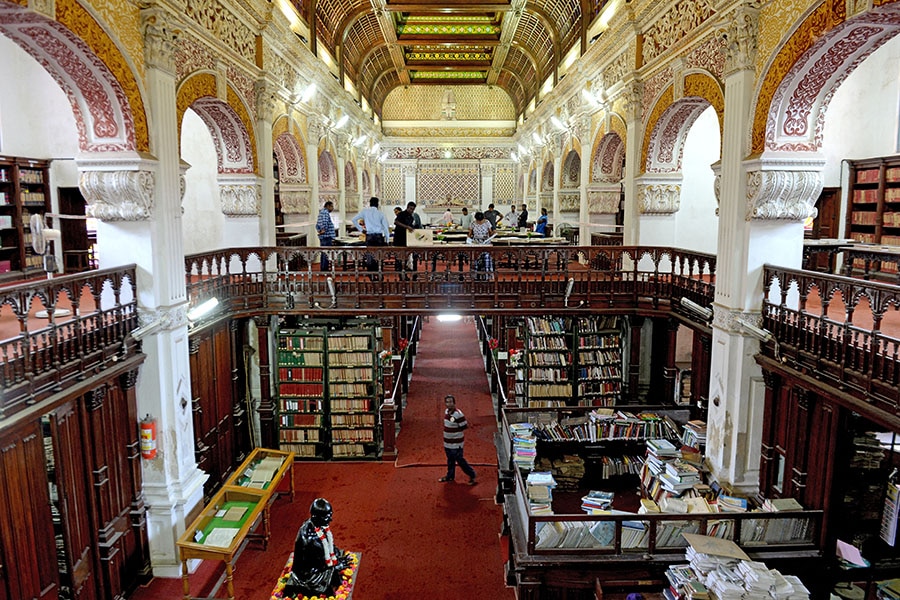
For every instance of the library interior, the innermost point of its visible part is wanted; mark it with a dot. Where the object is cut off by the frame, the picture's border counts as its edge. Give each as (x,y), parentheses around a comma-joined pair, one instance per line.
(248,248)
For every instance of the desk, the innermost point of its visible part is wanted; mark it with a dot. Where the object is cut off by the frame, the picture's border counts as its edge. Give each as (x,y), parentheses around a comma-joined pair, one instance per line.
(829,247)
(880,261)
(216,535)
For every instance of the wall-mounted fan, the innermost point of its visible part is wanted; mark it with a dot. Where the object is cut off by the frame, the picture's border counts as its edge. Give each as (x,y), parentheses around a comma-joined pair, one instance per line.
(42,238)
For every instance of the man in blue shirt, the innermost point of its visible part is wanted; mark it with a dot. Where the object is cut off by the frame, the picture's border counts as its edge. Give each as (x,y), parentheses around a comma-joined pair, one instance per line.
(371,220)
(325,229)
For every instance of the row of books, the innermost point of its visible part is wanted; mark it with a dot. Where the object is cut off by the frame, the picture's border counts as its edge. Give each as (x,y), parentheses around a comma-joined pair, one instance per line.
(351,405)
(301,390)
(289,358)
(348,342)
(351,390)
(300,373)
(547,343)
(598,341)
(538,325)
(350,373)
(353,420)
(292,342)
(547,359)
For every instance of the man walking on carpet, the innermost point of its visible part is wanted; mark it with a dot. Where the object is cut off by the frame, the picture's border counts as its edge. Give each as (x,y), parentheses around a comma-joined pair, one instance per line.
(454,437)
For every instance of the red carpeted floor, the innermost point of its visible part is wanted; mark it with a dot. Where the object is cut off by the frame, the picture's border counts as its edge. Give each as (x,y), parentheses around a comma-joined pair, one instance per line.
(419,538)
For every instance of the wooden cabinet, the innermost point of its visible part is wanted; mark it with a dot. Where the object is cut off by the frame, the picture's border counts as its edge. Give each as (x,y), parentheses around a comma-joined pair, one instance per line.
(598,360)
(548,362)
(24,191)
(873,213)
(301,391)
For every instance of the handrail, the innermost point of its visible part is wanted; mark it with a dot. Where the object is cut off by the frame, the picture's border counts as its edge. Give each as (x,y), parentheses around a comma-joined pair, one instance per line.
(812,314)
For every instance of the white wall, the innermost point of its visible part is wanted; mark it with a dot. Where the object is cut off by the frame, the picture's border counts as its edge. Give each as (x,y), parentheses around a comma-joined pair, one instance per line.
(203,223)
(861,120)
(696,223)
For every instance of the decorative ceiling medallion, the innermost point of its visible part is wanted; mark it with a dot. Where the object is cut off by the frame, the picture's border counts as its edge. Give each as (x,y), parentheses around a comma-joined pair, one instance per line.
(447,29)
(447,75)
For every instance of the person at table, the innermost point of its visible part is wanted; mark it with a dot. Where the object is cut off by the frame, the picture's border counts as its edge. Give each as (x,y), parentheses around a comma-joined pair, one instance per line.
(512,217)
(447,218)
(371,221)
(522,222)
(492,216)
(404,224)
(417,220)
(480,233)
(317,566)
(465,221)
(540,227)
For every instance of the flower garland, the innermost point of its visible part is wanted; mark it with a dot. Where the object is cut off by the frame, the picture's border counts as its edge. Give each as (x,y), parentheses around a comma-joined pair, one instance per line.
(493,343)
(342,593)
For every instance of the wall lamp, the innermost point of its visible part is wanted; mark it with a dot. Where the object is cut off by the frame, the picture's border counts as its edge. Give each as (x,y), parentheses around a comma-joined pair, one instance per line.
(537,138)
(703,312)
(763,335)
(331,291)
(145,330)
(308,93)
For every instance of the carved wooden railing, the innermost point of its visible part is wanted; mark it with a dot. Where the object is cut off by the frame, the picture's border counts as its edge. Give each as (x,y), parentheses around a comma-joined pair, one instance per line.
(812,317)
(62,347)
(521,279)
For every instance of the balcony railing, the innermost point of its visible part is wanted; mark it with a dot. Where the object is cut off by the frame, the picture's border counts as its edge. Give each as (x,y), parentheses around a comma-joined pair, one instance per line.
(842,330)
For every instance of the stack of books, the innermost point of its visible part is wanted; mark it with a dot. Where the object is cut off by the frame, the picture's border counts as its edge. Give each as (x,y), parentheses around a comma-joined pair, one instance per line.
(568,472)
(677,476)
(597,501)
(524,445)
(694,435)
(539,489)
(731,503)
(659,452)
(684,584)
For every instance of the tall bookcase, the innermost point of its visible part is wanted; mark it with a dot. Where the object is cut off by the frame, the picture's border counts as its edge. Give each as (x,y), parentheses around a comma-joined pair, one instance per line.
(353,385)
(24,191)
(548,362)
(598,360)
(301,392)
(329,385)
(873,216)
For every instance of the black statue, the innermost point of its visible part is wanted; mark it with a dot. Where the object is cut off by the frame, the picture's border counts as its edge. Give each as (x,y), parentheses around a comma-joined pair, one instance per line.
(317,561)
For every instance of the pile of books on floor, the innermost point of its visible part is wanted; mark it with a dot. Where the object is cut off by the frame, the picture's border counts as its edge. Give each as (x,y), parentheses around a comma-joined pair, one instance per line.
(720,569)
(694,435)
(524,445)
(596,501)
(678,476)
(539,489)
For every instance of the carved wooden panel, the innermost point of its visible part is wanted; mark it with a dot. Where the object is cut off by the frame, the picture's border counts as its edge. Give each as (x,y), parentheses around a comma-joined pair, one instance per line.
(29,562)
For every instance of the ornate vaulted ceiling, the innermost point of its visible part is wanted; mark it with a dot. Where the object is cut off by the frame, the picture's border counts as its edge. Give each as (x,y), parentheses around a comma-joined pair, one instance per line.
(513,44)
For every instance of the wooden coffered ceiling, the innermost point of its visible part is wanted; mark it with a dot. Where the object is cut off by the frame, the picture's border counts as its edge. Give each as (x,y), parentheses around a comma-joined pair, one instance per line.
(383,44)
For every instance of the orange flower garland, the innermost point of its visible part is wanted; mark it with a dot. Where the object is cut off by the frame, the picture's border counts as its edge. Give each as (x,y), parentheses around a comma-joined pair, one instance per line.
(342,593)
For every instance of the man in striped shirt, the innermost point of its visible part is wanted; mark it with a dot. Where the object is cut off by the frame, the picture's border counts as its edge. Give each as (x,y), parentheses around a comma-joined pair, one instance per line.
(454,436)
(325,230)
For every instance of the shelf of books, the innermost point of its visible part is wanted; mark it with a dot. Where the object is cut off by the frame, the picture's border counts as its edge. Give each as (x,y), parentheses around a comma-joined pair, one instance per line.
(873,214)
(24,191)
(352,391)
(598,360)
(301,391)
(548,362)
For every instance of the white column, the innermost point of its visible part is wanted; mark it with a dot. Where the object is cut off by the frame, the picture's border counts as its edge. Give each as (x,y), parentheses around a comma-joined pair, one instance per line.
(409,187)
(139,204)
(762,205)
(633,167)
(487,184)
(265,108)
(584,217)
(558,149)
(315,130)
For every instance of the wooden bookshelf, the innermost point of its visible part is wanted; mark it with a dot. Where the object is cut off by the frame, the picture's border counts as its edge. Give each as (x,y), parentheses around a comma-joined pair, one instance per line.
(24,191)
(547,363)
(873,213)
(598,360)
(301,392)
(353,384)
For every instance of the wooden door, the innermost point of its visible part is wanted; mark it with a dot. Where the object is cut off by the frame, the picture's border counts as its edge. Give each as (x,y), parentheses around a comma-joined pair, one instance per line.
(29,567)
(75,244)
(825,225)
(74,502)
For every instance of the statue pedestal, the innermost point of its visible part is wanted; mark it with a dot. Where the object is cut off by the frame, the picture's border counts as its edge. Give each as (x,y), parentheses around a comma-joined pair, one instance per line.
(345,592)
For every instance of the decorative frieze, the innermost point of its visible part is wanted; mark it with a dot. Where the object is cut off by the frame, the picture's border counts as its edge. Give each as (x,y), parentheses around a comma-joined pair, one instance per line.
(604,200)
(673,26)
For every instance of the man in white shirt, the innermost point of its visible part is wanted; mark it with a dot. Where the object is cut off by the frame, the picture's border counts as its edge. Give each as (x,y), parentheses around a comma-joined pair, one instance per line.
(465,221)
(511,218)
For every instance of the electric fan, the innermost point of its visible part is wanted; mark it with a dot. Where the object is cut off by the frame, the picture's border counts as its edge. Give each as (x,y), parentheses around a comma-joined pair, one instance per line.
(41,239)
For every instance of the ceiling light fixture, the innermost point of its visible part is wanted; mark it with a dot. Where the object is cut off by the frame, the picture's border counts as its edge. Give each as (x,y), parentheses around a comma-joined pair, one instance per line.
(360,141)
(342,121)
(537,138)
(202,309)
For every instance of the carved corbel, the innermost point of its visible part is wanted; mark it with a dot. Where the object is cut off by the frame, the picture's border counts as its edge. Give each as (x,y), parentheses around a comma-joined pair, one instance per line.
(118,187)
(659,195)
(785,190)
(240,195)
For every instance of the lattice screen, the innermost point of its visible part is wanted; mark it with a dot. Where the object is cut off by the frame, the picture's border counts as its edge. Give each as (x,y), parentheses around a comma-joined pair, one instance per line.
(393,188)
(439,180)
(504,186)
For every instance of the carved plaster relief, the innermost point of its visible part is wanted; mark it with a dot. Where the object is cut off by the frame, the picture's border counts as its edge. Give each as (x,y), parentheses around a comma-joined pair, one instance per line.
(118,188)
(240,196)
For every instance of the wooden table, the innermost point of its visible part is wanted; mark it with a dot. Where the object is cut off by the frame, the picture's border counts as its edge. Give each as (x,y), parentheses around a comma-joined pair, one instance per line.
(813,249)
(218,531)
(874,259)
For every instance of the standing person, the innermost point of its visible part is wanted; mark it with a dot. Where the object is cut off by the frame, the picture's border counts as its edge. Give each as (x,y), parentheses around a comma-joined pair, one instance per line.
(417,221)
(447,218)
(523,217)
(325,230)
(512,217)
(465,221)
(455,425)
(492,215)
(371,221)
(540,227)
(480,233)
(403,224)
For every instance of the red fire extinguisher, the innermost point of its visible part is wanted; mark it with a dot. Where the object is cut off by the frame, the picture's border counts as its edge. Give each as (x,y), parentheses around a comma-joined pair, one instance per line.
(148,437)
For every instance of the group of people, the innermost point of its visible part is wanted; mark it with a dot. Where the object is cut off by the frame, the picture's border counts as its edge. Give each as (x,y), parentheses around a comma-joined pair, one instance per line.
(374,224)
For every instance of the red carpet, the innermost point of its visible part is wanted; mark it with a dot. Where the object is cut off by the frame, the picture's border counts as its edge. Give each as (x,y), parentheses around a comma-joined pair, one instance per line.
(418,538)
(448,362)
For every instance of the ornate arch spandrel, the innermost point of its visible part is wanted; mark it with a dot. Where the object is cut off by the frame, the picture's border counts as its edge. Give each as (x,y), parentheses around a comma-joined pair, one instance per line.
(291,158)
(604,164)
(798,84)
(662,104)
(664,144)
(92,72)
(196,86)
(703,85)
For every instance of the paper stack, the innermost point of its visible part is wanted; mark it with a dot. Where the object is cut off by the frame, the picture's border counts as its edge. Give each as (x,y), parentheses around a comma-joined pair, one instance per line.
(596,501)
(539,489)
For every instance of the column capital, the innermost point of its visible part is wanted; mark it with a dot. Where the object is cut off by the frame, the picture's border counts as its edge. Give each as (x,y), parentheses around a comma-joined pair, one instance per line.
(240,195)
(317,129)
(161,30)
(488,170)
(118,186)
(409,170)
(265,99)
(659,194)
(740,38)
(632,100)
(783,188)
